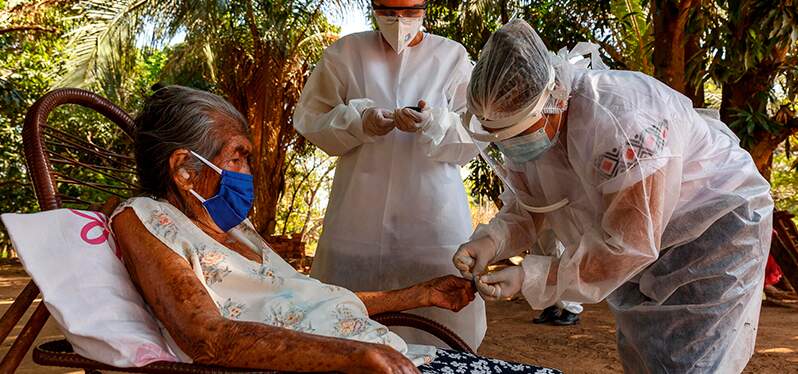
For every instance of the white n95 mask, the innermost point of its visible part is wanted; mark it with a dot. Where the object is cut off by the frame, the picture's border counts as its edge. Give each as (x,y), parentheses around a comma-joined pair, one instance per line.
(399,31)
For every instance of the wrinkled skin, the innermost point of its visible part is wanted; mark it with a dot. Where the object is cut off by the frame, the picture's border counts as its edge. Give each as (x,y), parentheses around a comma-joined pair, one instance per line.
(181,303)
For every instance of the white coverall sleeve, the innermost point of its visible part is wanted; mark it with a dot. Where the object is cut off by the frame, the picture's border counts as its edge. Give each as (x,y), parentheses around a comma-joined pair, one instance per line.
(638,200)
(445,139)
(513,229)
(324,115)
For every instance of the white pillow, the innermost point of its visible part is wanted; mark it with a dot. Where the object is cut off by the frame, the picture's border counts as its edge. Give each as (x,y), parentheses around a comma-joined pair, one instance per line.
(71,256)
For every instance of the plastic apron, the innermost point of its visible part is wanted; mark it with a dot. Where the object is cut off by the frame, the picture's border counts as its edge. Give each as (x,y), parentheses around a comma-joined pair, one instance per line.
(680,262)
(548,245)
(398,209)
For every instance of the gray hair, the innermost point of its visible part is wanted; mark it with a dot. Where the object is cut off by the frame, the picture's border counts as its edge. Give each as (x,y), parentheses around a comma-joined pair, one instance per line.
(177,117)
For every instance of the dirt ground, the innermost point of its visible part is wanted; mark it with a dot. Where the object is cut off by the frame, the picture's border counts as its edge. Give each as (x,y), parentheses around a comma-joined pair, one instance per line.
(589,347)
(585,348)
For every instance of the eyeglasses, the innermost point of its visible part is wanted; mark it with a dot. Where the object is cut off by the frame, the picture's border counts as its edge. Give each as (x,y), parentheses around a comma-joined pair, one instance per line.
(403,11)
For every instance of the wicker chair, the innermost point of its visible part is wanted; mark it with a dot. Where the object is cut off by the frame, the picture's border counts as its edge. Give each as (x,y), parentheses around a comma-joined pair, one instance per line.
(784,247)
(106,171)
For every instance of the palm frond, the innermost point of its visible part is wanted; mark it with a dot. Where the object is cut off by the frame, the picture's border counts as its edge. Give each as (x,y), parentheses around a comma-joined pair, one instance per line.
(631,32)
(104,40)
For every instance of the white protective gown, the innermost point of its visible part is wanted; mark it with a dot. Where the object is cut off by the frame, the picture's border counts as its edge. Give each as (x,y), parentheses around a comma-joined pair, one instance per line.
(668,219)
(398,209)
(548,245)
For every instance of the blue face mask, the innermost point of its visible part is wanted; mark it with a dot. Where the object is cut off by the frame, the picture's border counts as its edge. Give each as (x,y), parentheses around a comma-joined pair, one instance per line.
(230,206)
(527,147)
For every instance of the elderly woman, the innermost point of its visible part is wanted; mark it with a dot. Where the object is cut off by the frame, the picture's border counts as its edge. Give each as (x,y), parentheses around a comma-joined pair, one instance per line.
(223,296)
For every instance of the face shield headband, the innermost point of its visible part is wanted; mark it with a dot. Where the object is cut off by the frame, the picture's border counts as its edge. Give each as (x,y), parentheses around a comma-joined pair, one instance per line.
(399,8)
(513,125)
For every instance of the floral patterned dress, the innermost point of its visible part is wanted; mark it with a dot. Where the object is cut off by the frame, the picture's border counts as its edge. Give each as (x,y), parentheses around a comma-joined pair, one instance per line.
(271,292)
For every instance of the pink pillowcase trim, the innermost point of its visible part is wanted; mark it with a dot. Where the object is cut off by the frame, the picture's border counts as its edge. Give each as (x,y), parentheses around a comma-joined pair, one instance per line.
(149,353)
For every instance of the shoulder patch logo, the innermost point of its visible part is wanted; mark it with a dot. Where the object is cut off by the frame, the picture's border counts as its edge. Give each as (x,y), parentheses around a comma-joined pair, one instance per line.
(646,144)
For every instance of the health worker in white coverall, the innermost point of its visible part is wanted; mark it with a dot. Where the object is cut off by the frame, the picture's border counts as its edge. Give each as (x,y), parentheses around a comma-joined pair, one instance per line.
(398,209)
(659,209)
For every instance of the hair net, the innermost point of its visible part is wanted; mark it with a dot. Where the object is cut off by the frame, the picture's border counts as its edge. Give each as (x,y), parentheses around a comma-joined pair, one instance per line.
(513,73)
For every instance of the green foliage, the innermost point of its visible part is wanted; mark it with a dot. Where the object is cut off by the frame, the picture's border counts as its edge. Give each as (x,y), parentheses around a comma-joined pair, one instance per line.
(741,34)
(752,48)
(738,39)
(483,184)
(25,61)
(631,33)
(29,65)
(748,123)
(244,50)
(560,23)
(255,53)
(222,39)
(251,50)
(784,179)
(308,181)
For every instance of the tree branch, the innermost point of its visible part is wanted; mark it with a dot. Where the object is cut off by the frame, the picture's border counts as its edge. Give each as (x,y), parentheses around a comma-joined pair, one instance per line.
(763,150)
(297,187)
(614,53)
(313,198)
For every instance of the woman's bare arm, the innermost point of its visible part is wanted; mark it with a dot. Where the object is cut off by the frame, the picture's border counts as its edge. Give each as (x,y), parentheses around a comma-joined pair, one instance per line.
(181,303)
(447,292)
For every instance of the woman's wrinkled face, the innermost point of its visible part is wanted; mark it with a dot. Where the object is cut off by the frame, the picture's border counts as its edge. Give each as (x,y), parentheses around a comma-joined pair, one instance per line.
(189,173)
(234,156)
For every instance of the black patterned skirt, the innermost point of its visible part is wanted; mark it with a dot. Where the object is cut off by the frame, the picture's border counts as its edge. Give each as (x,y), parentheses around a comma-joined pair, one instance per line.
(456,362)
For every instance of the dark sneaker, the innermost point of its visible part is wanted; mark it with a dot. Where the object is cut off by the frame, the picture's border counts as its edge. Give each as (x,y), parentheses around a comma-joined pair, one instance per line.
(548,315)
(566,318)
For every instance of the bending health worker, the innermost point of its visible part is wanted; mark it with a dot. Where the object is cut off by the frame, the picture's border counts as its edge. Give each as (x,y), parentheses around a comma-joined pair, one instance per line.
(659,209)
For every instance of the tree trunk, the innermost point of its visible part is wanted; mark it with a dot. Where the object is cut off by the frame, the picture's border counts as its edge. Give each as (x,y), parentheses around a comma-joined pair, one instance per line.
(268,119)
(749,92)
(762,150)
(253,90)
(745,93)
(694,54)
(670,18)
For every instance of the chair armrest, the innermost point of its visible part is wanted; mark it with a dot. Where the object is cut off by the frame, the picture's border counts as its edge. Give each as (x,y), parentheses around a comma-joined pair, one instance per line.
(59,353)
(423,324)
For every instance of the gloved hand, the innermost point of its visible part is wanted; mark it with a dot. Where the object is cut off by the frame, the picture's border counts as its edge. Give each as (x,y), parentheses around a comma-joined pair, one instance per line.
(473,258)
(377,121)
(410,120)
(502,284)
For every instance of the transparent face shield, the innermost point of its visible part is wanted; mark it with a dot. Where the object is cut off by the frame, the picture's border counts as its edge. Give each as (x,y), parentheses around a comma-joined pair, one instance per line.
(489,150)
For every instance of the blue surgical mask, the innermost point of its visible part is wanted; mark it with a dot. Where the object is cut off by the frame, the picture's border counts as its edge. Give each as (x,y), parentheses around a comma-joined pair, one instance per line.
(230,206)
(525,148)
